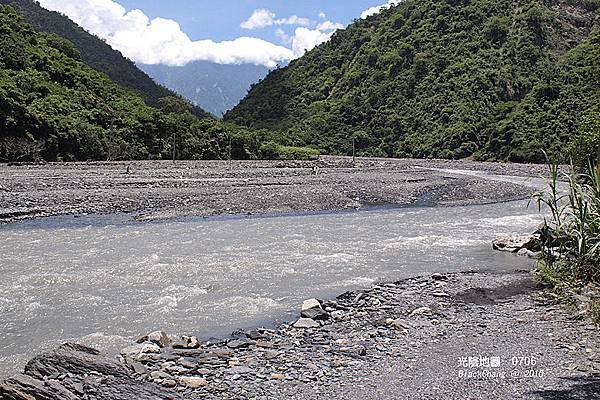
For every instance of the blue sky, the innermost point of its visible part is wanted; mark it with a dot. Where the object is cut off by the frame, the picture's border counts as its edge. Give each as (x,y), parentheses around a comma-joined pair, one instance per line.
(176,32)
(220,20)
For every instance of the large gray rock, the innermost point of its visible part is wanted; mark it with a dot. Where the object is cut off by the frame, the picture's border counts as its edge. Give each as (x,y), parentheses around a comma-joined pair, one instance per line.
(304,323)
(315,313)
(513,243)
(310,304)
(138,351)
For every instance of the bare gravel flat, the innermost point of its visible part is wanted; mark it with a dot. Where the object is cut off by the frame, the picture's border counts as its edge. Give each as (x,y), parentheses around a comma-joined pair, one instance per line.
(162,189)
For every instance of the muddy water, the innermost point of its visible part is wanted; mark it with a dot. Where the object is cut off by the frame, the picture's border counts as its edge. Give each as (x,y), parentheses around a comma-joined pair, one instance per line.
(101,281)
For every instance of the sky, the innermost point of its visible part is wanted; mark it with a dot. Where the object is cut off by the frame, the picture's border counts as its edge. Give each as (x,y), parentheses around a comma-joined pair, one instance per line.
(176,32)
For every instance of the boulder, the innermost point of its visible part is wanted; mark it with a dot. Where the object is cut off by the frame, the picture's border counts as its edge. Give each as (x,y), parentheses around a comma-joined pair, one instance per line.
(254,335)
(137,351)
(304,323)
(310,304)
(513,243)
(399,324)
(439,277)
(315,313)
(159,338)
(186,342)
(193,382)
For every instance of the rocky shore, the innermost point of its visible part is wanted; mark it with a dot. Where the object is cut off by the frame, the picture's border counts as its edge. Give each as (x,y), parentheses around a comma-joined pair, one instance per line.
(153,190)
(468,335)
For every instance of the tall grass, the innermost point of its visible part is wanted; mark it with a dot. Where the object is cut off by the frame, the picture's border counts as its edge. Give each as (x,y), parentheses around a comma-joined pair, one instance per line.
(571,235)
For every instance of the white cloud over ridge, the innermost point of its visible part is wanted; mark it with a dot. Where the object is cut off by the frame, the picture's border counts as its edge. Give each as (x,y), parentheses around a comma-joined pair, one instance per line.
(304,38)
(161,41)
(377,9)
(262,18)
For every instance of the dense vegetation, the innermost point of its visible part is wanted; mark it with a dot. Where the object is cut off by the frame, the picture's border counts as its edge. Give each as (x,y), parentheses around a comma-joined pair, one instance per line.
(491,79)
(95,52)
(54,107)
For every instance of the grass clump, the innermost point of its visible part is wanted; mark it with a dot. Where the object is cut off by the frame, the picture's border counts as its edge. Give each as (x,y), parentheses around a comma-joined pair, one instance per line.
(571,235)
(569,263)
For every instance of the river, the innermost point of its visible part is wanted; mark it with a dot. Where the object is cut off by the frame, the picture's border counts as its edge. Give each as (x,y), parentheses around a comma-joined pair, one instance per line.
(104,282)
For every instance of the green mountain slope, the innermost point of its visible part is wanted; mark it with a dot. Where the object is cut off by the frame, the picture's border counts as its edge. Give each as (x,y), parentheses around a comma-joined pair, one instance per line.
(494,79)
(53,106)
(95,52)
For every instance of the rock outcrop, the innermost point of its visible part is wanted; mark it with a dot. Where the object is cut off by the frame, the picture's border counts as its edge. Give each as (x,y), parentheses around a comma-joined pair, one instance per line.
(75,372)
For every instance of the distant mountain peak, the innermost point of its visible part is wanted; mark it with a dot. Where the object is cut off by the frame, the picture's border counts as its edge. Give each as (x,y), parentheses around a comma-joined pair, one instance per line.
(216,88)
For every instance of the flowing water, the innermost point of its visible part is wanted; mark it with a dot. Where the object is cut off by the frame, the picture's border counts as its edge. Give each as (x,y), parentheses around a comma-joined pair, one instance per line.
(104,282)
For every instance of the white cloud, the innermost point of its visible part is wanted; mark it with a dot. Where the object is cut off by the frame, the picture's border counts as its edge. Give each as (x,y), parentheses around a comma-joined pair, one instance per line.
(306,39)
(378,9)
(259,19)
(262,18)
(161,41)
(285,38)
(329,26)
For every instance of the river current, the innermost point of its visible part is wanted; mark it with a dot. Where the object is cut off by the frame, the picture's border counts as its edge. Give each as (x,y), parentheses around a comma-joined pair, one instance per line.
(103,281)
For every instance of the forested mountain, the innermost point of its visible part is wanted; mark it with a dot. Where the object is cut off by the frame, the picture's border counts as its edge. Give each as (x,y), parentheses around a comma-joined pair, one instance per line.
(492,79)
(53,106)
(213,87)
(94,51)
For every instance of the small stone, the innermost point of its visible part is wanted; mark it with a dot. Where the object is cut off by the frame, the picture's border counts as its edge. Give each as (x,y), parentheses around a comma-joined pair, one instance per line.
(155,375)
(187,363)
(193,382)
(278,376)
(238,343)
(169,383)
(400,324)
(421,311)
(304,323)
(254,335)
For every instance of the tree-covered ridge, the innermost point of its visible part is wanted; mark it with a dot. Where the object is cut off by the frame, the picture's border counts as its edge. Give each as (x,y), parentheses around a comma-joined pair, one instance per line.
(53,106)
(495,79)
(95,52)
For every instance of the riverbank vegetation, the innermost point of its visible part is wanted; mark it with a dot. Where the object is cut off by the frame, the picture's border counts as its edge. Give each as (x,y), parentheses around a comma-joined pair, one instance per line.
(570,258)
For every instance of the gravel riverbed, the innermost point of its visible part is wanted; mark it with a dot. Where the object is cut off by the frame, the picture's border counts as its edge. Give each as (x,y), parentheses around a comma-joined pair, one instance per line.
(153,190)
